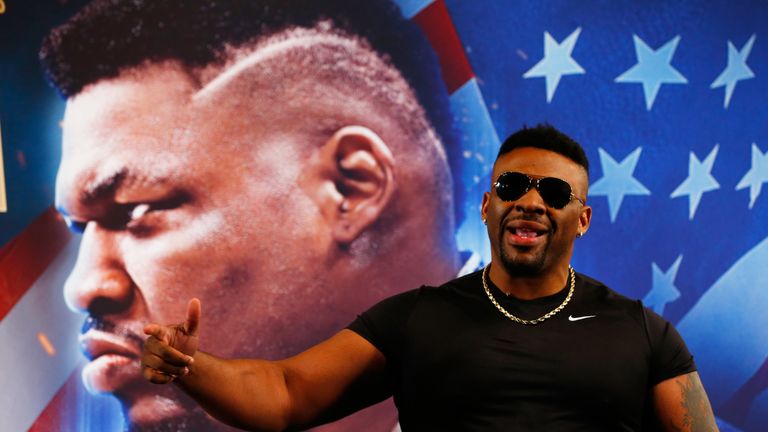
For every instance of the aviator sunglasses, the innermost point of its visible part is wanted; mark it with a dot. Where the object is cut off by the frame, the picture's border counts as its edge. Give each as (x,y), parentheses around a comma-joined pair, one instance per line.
(555,192)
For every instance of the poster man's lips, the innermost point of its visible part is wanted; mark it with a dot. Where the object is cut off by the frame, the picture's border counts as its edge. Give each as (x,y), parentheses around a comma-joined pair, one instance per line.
(104,336)
(96,343)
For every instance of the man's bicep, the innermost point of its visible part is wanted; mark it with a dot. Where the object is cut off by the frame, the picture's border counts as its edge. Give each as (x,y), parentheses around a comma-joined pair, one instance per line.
(335,378)
(681,404)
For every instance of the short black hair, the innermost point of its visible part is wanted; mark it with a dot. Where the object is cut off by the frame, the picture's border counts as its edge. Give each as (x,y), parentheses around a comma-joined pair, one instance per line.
(546,137)
(109,36)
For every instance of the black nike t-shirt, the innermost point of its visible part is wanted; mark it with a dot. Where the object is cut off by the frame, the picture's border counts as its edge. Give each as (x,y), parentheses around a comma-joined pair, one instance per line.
(457,363)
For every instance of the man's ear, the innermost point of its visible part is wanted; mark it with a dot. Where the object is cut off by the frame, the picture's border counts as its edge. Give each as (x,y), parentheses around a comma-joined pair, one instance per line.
(484,207)
(360,172)
(585,218)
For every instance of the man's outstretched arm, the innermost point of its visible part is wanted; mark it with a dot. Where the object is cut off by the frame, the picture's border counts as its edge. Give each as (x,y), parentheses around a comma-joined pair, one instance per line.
(329,380)
(681,404)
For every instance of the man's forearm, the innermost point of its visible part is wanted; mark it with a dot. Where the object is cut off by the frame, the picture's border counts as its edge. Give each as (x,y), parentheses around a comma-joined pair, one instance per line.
(248,394)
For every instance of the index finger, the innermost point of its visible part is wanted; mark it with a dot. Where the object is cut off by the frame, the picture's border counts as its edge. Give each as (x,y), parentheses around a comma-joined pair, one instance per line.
(159,355)
(156,330)
(193,317)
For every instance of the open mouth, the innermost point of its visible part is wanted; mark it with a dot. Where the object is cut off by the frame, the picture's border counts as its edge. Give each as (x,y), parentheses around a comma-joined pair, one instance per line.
(526,233)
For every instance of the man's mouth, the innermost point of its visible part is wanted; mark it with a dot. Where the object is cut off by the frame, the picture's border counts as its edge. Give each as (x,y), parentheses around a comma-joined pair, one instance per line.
(97,343)
(526,233)
(113,351)
(99,337)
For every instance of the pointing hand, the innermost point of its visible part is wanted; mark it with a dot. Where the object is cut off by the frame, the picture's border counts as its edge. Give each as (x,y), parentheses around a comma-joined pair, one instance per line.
(169,350)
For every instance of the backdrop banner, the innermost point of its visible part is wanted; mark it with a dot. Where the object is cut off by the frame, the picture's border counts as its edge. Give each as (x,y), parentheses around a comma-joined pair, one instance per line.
(180,130)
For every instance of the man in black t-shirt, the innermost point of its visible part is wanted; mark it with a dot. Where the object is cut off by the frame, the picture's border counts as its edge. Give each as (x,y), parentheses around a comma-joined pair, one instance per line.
(525,344)
(458,364)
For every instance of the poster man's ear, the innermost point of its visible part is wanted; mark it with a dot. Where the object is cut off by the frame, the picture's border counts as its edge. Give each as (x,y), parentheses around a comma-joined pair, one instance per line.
(361,169)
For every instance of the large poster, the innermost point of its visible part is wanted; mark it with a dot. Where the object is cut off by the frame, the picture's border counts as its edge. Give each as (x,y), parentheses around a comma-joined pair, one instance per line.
(292,162)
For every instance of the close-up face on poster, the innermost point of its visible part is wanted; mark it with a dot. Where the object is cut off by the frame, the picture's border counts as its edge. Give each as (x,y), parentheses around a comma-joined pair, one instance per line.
(291,163)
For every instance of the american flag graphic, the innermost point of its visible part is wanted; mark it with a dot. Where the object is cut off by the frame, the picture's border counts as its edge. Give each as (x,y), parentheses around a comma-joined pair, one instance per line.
(669,99)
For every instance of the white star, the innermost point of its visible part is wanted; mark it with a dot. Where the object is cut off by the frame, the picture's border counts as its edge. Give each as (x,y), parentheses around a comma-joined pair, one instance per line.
(617,180)
(736,70)
(557,62)
(663,290)
(699,180)
(653,69)
(756,176)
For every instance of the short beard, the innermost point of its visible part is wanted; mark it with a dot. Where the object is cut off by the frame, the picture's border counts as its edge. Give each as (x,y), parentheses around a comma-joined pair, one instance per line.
(522,268)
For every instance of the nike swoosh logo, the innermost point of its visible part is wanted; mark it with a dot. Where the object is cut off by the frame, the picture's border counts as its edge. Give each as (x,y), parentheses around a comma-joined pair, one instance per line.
(573,318)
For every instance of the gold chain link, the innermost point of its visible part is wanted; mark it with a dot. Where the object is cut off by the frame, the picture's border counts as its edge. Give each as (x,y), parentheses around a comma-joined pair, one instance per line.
(549,314)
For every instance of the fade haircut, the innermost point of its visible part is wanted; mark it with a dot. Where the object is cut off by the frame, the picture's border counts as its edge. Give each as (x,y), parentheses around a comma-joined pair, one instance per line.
(547,137)
(108,37)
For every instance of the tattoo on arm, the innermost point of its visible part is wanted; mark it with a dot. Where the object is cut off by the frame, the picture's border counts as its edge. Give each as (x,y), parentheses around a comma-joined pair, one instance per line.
(697,413)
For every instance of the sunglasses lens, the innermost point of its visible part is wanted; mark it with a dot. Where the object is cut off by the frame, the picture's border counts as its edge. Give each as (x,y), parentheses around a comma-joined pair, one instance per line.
(556,192)
(511,186)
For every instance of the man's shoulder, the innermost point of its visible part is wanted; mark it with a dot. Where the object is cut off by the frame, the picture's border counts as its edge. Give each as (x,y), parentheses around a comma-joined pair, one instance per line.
(468,282)
(597,290)
(459,289)
(410,298)
(426,297)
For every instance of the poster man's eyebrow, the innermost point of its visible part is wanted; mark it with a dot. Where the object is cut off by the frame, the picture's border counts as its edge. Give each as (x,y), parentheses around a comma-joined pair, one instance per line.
(94,190)
(104,186)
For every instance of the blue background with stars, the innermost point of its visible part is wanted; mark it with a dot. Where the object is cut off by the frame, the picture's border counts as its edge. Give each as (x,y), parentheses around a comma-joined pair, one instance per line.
(670,100)
(668,149)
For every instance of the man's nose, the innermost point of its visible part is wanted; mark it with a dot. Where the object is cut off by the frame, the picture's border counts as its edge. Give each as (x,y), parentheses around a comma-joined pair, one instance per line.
(98,284)
(531,202)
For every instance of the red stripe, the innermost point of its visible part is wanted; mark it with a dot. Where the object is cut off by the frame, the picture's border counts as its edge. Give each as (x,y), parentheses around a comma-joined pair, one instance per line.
(62,411)
(25,257)
(437,26)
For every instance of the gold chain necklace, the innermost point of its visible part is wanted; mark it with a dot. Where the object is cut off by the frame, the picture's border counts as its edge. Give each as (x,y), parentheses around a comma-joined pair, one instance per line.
(539,319)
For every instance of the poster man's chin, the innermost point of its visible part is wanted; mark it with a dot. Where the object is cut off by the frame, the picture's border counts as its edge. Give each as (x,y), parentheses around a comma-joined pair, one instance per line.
(147,407)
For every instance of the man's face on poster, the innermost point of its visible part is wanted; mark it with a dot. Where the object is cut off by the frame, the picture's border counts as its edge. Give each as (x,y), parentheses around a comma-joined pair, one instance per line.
(179,197)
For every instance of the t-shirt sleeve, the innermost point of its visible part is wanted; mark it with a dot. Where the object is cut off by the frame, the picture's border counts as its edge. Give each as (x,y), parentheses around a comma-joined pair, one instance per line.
(669,355)
(382,325)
